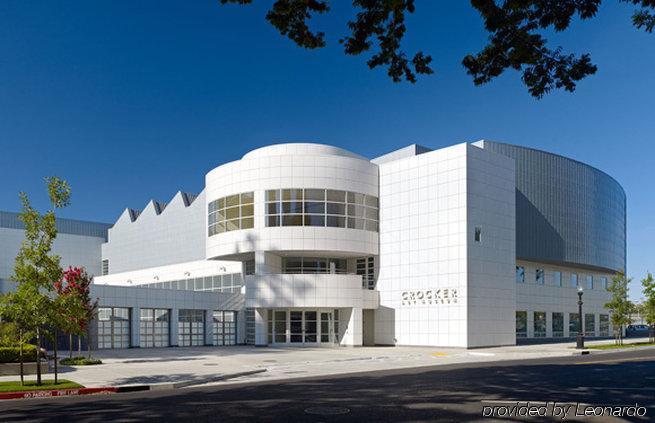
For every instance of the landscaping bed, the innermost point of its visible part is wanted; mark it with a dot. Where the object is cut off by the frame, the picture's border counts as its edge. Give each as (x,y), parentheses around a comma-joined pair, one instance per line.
(79,361)
(30,385)
(614,346)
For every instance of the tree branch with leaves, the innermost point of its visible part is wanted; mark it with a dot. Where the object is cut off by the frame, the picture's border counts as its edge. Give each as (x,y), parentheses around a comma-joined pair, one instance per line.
(515,27)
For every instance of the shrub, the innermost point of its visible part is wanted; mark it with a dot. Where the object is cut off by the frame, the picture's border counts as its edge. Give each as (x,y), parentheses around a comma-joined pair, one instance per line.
(12,354)
(8,334)
(79,361)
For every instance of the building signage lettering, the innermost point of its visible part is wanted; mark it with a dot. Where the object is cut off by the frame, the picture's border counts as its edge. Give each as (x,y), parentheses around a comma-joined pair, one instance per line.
(430,296)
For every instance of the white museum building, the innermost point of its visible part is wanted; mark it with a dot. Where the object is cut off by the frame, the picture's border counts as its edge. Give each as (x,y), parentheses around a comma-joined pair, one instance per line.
(477,244)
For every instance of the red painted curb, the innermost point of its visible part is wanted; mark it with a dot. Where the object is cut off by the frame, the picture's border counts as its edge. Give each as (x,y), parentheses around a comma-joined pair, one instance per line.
(57,393)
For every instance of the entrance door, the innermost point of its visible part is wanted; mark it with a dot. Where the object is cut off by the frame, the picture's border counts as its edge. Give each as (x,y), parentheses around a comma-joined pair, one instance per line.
(327,332)
(311,327)
(296,327)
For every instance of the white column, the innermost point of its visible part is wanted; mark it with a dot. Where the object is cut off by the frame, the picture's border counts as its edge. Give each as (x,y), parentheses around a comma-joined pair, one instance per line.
(352,319)
(135,327)
(261,327)
(209,327)
(175,315)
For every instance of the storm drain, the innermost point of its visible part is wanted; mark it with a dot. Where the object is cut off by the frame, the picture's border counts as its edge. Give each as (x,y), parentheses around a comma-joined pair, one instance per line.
(327,411)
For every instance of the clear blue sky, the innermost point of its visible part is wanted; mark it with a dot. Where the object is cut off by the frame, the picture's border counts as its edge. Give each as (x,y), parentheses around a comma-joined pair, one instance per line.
(133,100)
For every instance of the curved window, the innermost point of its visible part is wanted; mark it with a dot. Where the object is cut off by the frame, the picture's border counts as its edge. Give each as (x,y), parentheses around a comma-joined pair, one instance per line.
(321,207)
(231,213)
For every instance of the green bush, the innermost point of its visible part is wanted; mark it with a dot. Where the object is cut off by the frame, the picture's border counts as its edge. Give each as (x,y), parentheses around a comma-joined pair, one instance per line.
(8,334)
(79,361)
(12,354)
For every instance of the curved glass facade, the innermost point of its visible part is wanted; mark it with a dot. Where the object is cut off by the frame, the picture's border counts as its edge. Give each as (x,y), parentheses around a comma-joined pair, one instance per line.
(231,213)
(566,211)
(321,207)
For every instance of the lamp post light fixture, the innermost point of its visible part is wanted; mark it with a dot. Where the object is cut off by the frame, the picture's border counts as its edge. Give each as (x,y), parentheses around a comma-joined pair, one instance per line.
(580,337)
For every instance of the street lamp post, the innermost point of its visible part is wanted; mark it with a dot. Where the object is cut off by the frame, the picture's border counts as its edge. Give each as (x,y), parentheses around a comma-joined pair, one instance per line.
(580,337)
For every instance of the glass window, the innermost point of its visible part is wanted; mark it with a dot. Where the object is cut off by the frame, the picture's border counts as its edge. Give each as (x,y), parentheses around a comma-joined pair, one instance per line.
(356,223)
(589,325)
(310,206)
(520,274)
(521,324)
(273,195)
(337,196)
(232,200)
(292,220)
(603,282)
(230,213)
(336,221)
(539,324)
(336,208)
(478,234)
(574,280)
(315,208)
(574,324)
(590,282)
(273,208)
(314,220)
(247,197)
(292,194)
(366,268)
(557,278)
(604,323)
(315,194)
(292,207)
(539,276)
(558,325)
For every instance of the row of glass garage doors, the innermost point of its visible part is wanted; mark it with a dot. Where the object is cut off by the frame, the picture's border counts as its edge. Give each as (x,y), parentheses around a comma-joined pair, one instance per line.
(114,327)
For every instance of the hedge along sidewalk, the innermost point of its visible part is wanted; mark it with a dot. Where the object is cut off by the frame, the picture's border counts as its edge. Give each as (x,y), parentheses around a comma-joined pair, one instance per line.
(12,354)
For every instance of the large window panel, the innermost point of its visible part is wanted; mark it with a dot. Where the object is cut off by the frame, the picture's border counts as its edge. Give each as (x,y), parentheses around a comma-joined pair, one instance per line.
(231,213)
(320,208)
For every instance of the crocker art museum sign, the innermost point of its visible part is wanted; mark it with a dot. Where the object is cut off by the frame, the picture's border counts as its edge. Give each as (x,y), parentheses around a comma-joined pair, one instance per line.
(429,296)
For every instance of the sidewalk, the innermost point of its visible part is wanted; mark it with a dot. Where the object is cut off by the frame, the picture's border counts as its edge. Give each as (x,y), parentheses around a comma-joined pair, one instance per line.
(207,365)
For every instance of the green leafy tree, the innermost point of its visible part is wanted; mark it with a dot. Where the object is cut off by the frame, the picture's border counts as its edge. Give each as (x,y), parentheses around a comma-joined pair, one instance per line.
(11,310)
(515,27)
(619,304)
(648,306)
(36,269)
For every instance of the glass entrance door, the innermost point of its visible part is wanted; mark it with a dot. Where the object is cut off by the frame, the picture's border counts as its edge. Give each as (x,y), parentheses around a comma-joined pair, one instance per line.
(311,327)
(296,327)
(301,327)
(326,327)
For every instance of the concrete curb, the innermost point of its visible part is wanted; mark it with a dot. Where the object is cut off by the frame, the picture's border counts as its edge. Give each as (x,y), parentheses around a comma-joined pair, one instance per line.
(50,393)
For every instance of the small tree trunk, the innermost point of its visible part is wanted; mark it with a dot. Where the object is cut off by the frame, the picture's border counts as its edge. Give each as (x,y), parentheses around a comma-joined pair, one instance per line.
(54,349)
(88,342)
(70,346)
(20,354)
(38,357)
(79,345)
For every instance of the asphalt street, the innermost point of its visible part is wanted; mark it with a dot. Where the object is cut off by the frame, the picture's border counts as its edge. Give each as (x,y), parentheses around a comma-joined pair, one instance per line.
(440,393)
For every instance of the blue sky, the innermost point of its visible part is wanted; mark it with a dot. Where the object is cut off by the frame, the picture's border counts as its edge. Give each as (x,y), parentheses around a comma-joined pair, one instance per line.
(135,100)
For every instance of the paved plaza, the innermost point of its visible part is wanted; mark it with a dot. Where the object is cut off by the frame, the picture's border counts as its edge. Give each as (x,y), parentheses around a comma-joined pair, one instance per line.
(175,367)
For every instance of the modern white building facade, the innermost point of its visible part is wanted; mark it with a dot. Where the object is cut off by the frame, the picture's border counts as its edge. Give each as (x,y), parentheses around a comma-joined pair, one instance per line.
(307,244)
